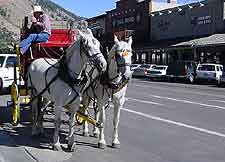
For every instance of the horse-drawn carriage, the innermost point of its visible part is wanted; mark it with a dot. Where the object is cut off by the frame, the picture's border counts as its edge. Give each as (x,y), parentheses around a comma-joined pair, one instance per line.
(62,36)
(77,65)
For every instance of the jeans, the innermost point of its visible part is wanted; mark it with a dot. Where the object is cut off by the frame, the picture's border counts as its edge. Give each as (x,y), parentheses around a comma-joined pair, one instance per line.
(26,43)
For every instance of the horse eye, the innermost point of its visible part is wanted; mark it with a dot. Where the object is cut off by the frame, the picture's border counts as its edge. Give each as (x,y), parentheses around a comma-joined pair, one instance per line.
(94,41)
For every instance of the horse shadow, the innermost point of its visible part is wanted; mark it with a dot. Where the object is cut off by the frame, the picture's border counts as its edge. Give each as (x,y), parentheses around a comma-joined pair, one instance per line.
(21,135)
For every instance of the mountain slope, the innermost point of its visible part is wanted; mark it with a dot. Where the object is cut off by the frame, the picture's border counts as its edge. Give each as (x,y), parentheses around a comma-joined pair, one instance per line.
(12,13)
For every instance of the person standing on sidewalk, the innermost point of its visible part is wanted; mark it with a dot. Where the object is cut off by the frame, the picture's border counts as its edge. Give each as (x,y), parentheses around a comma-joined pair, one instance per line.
(40,29)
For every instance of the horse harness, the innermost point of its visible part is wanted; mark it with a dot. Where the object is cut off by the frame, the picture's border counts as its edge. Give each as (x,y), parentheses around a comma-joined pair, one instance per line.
(64,75)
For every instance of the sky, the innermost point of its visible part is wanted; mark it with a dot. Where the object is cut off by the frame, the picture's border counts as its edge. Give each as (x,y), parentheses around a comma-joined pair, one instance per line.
(91,8)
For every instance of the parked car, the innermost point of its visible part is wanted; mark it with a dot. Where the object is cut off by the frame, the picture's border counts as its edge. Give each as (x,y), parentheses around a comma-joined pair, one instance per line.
(7,62)
(157,71)
(182,69)
(134,66)
(209,72)
(141,71)
(221,82)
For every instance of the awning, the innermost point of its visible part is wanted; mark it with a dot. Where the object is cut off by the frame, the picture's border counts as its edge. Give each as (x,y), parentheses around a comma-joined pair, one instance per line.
(215,39)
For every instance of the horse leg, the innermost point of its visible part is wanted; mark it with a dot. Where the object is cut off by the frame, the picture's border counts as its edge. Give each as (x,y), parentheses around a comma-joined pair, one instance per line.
(95,129)
(118,104)
(86,102)
(34,107)
(71,136)
(101,142)
(56,143)
(85,126)
(40,115)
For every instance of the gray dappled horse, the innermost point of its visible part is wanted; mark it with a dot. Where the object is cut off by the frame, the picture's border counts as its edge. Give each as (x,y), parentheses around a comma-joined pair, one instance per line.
(64,80)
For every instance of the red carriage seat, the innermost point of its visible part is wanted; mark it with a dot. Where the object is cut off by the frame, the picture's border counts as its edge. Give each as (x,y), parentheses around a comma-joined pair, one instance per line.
(59,38)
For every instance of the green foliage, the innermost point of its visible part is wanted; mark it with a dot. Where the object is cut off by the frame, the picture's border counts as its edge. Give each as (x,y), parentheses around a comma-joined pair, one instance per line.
(5,38)
(3,12)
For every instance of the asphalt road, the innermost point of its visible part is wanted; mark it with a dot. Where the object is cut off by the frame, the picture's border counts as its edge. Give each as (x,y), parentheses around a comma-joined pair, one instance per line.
(160,122)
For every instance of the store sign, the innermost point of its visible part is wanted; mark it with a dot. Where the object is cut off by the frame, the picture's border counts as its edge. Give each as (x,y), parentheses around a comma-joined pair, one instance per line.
(164,25)
(126,20)
(95,25)
(129,19)
(204,20)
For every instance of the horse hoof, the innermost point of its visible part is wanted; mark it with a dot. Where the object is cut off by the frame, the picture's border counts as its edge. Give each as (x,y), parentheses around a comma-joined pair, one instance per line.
(96,135)
(71,148)
(101,145)
(56,148)
(116,146)
(86,134)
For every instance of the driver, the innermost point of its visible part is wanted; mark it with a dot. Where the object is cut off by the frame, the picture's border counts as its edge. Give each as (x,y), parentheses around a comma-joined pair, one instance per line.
(40,29)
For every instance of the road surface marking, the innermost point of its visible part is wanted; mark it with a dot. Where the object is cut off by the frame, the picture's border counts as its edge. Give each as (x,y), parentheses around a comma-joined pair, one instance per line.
(175,123)
(183,91)
(143,101)
(218,101)
(190,102)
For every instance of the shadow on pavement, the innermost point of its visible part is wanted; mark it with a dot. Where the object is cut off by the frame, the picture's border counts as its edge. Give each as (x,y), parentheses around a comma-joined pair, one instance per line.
(21,134)
(5,115)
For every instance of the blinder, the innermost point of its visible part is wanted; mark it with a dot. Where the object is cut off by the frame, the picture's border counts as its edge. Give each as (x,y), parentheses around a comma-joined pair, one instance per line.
(120,59)
(94,59)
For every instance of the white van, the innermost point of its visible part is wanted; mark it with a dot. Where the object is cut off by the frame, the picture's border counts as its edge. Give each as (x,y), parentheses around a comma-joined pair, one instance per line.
(209,72)
(7,62)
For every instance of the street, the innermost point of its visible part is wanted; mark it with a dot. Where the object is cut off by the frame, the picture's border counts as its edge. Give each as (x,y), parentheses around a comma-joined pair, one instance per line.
(160,122)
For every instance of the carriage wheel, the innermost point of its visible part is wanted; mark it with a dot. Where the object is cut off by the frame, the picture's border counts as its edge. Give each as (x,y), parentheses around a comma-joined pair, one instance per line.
(15,115)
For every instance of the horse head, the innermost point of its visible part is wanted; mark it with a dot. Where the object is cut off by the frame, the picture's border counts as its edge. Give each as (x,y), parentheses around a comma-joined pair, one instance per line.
(121,54)
(90,48)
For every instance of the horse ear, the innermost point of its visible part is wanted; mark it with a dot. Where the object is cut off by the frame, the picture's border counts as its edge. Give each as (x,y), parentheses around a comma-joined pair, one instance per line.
(130,40)
(81,34)
(116,40)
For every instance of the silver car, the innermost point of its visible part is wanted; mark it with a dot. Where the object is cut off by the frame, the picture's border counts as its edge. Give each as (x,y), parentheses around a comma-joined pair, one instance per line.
(141,71)
(157,71)
(134,66)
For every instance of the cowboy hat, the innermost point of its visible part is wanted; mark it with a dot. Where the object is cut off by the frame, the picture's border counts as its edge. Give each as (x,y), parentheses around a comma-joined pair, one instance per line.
(37,9)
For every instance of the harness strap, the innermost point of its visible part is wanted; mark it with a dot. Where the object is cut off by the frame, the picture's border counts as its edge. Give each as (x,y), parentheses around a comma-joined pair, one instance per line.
(43,91)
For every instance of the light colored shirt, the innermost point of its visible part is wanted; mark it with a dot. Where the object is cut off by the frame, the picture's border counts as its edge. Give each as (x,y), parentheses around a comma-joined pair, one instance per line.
(45,23)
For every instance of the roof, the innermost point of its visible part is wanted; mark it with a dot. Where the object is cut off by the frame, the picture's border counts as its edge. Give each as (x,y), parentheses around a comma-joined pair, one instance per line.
(210,64)
(210,40)
(158,6)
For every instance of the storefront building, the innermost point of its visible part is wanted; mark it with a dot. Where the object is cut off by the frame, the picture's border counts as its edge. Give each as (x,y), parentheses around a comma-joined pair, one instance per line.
(166,32)
(98,26)
(130,17)
(177,34)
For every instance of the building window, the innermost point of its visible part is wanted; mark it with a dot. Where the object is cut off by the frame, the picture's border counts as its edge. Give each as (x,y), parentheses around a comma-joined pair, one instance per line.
(153,58)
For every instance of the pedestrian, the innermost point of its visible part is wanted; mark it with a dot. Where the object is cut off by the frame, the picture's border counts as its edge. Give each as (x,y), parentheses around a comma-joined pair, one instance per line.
(40,29)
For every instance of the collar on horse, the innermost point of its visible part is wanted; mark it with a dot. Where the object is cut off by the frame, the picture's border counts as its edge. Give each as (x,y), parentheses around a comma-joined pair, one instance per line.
(116,87)
(64,74)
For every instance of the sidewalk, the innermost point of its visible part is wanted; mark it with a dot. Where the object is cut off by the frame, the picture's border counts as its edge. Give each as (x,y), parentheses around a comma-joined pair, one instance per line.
(9,152)
(25,151)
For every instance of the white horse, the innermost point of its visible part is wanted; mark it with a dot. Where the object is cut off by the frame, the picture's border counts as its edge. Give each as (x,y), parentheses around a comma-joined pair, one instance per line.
(114,86)
(62,82)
